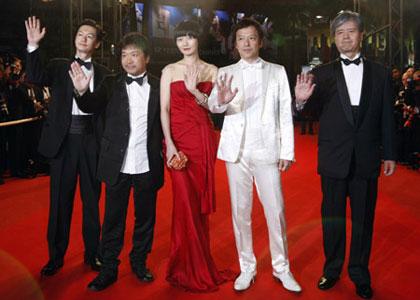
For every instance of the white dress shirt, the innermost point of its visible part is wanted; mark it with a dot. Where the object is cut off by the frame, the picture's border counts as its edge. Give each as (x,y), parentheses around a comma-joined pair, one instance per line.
(353,75)
(136,160)
(252,80)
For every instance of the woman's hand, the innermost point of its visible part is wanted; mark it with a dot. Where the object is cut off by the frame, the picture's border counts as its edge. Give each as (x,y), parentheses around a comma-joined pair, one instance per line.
(191,78)
(170,152)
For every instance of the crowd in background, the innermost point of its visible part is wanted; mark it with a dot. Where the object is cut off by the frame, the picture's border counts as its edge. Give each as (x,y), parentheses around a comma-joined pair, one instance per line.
(22,109)
(20,100)
(406,89)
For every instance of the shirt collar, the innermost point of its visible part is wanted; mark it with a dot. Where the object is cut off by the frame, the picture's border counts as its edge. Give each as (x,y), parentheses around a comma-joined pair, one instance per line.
(343,56)
(138,76)
(257,64)
(85,60)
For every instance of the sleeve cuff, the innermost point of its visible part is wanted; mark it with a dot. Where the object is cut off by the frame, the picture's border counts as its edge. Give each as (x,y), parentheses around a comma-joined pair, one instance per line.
(300,106)
(31,48)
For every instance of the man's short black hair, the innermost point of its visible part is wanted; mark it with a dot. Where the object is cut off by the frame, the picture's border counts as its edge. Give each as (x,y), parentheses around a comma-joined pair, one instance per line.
(100,33)
(247,22)
(137,40)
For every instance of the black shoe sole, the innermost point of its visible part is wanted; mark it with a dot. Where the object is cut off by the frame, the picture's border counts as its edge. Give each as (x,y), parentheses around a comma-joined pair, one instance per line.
(96,288)
(331,284)
(51,272)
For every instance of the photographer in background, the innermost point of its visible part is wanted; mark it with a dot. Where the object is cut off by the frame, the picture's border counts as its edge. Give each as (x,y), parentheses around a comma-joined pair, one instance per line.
(20,106)
(407,119)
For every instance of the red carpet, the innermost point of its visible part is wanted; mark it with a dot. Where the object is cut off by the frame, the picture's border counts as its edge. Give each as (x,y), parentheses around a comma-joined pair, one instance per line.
(395,263)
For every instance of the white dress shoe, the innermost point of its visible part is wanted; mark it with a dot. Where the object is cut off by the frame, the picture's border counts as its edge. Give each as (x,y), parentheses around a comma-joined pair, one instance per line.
(288,281)
(244,281)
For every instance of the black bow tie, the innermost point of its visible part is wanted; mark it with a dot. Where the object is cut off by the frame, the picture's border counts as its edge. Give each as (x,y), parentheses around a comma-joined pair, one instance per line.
(354,61)
(87,64)
(139,80)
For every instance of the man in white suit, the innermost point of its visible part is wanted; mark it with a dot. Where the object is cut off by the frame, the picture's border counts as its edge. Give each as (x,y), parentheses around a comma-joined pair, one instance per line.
(256,143)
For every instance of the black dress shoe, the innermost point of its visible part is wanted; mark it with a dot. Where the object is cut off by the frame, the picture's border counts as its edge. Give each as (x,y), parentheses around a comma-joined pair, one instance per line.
(364,291)
(102,281)
(143,274)
(95,264)
(326,283)
(51,268)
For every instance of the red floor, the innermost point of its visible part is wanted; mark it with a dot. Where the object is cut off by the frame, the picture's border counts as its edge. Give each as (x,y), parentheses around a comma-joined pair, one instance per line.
(395,263)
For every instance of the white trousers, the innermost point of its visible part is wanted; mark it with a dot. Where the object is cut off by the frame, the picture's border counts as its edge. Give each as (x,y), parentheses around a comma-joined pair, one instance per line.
(241,176)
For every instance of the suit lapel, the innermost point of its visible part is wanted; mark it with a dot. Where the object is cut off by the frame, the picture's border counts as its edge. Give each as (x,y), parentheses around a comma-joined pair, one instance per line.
(97,75)
(343,92)
(152,105)
(266,71)
(367,88)
(122,92)
(69,92)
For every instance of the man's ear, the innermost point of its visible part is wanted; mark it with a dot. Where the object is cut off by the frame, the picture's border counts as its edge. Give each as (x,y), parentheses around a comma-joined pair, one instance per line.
(98,44)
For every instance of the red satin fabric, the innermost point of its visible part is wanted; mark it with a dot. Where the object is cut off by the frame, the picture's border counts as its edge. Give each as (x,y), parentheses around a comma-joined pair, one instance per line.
(191,265)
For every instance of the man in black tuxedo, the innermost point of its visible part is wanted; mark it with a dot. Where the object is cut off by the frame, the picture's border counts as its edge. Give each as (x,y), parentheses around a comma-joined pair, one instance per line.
(356,122)
(70,140)
(130,156)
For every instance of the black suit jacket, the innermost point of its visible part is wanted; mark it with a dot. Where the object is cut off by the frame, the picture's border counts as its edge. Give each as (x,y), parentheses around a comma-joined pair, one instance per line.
(112,96)
(343,141)
(55,75)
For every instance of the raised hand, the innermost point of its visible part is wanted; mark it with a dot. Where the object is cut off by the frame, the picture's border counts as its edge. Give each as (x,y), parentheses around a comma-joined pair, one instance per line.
(191,78)
(34,33)
(304,87)
(79,78)
(224,90)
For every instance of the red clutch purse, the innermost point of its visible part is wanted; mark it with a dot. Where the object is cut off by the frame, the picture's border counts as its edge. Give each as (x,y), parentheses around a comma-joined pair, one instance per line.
(178,163)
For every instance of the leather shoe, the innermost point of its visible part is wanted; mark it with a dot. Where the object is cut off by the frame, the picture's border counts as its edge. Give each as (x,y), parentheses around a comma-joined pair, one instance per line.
(244,281)
(143,274)
(102,281)
(326,283)
(51,268)
(288,281)
(364,291)
(95,264)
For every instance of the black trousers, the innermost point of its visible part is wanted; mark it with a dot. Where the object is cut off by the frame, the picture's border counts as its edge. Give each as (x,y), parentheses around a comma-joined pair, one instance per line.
(3,152)
(77,159)
(116,204)
(362,193)
(17,149)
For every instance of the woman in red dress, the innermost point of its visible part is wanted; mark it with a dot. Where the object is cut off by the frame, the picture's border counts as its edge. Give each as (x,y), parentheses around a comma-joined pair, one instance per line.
(187,128)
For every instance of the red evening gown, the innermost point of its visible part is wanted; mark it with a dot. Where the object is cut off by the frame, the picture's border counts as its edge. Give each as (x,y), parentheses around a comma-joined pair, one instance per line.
(191,265)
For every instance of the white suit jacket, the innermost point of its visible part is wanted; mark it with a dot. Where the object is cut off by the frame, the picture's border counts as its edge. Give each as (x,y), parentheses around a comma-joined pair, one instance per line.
(276,115)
